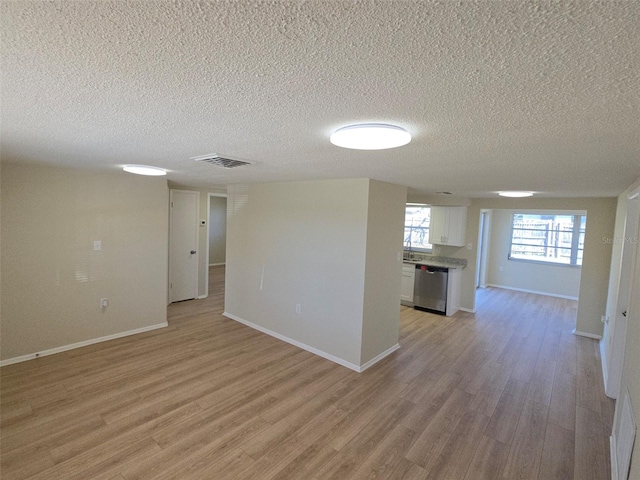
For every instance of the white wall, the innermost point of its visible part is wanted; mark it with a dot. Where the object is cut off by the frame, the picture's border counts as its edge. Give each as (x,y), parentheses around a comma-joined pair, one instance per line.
(217,230)
(547,279)
(305,243)
(53,279)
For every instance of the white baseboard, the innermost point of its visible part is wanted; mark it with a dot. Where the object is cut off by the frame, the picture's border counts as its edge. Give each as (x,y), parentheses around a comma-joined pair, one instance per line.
(605,372)
(468,310)
(200,297)
(613,457)
(309,348)
(568,297)
(377,358)
(216,264)
(586,334)
(64,348)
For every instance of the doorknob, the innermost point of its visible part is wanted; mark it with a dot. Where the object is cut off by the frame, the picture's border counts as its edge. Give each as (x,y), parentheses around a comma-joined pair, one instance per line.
(192,252)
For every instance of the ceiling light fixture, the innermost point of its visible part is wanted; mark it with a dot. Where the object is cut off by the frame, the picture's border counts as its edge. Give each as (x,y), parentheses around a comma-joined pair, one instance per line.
(370,136)
(514,194)
(144,170)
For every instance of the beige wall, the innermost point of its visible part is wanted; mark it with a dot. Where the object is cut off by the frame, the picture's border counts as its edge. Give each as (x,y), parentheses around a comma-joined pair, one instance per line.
(217,230)
(305,243)
(53,279)
(541,278)
(383,271)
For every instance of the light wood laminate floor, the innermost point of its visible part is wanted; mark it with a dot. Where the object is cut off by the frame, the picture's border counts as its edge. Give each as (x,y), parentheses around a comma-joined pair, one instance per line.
(507,393)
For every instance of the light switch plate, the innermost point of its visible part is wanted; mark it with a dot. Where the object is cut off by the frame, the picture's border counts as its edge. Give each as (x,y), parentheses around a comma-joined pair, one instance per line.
(97,245)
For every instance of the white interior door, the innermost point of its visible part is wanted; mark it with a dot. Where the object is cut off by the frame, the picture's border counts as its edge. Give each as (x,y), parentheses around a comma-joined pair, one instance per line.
(618,324)
(183,242)
(624,438)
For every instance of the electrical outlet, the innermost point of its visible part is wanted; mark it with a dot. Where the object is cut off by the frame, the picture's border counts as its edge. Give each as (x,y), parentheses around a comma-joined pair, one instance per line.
(104,303)
(501,268)
(297,308)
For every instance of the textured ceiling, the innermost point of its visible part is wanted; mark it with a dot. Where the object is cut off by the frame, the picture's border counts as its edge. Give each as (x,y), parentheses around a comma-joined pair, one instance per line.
(498,95)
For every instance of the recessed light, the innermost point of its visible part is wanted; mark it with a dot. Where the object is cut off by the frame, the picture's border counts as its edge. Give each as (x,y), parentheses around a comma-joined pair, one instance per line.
(144,170)
(514,194)
(370,136)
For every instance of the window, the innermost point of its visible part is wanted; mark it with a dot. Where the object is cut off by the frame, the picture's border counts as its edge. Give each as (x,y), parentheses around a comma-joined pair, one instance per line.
(416,228)
(549,238)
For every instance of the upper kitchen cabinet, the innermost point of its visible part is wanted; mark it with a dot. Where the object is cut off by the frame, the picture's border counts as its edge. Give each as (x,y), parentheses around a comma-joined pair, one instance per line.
(448,226)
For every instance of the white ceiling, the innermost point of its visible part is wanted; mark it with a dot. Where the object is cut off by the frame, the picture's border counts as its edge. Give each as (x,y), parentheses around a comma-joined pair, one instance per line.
(498,95)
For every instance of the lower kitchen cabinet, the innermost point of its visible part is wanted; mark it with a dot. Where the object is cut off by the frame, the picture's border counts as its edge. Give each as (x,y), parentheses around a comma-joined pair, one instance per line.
(406,290)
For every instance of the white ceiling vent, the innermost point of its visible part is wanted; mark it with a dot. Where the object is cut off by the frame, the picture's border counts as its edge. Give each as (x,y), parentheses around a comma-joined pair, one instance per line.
(220,161)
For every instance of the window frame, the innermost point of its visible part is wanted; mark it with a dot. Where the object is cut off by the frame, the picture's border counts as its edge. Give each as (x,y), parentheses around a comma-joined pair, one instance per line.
(412,248)
(575,237)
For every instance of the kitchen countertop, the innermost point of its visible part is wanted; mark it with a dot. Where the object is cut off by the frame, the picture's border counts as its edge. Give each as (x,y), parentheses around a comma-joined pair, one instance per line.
(438,262)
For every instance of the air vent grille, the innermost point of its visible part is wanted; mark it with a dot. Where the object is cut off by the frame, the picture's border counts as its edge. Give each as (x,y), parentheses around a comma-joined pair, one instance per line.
(220,161)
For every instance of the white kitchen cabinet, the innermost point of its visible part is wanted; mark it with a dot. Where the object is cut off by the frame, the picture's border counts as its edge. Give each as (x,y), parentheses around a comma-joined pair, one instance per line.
(406,290)
(448,226)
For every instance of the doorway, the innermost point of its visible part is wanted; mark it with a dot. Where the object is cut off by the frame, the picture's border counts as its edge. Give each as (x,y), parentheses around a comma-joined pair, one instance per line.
(216,233)
(483,242)
(617,326)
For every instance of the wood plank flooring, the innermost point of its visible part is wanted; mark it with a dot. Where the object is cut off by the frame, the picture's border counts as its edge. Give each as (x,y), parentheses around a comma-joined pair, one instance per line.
(508,392)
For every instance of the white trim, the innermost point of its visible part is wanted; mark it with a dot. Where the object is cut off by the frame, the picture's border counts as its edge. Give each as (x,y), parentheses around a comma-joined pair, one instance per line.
(603,364)
(216,264)
(73,346)
(379,357)
(200,297)
(309,348)
(585,334)
(614,458)
(468,310)
(536,292)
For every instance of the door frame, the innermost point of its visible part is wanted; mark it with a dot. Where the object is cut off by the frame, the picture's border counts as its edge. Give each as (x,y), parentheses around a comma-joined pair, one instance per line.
(617,326)
(197,254)
(209,195)
(484,228)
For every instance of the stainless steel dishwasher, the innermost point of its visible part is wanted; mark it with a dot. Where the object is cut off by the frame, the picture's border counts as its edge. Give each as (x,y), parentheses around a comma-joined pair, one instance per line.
(430,289)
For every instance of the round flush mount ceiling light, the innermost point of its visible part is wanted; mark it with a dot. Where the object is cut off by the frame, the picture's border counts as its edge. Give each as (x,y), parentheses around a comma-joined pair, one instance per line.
(144,170)
(370,136)
(514,194)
